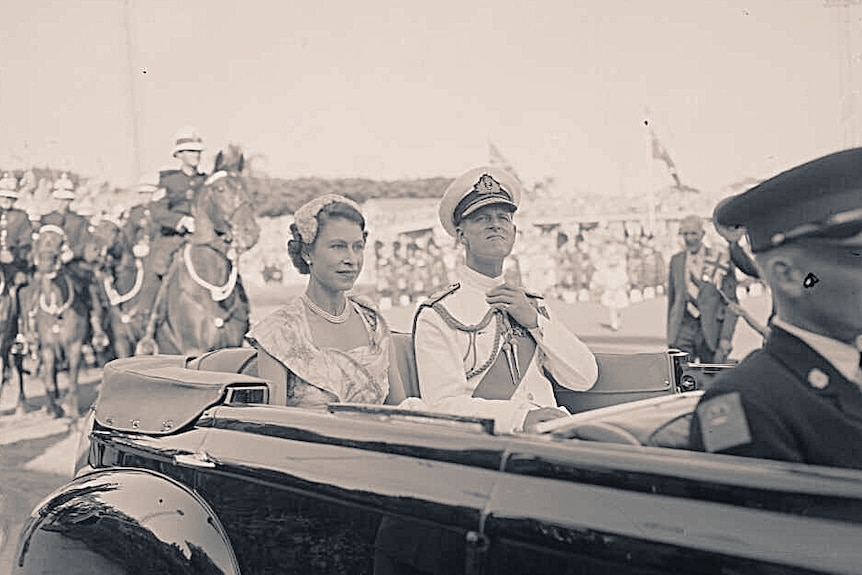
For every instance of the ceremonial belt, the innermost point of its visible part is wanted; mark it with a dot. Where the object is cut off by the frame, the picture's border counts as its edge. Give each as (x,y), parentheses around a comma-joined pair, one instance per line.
(513,358)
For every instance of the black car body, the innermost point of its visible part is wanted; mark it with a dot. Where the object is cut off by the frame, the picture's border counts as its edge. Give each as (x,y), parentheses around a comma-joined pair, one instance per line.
(185,468)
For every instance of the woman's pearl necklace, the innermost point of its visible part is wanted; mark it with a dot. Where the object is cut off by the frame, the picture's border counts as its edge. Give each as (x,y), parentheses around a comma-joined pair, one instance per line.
(317,310)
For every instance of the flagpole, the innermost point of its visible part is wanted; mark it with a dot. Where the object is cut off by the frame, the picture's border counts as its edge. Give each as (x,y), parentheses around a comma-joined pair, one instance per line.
(136,140)
(651,200)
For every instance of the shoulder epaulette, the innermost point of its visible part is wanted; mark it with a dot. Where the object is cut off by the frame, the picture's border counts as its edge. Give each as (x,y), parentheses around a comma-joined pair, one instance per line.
(165,173)
(437,296)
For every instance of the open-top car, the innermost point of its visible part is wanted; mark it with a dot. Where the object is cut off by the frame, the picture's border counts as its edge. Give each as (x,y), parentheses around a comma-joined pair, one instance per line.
(186,466)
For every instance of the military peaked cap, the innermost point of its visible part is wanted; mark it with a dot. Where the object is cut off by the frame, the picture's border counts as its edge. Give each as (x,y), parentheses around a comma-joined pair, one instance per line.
(475,189)
(821,198)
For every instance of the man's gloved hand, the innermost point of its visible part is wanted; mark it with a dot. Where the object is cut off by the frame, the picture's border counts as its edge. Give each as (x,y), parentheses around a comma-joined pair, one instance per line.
(141,250)
(6,256)
(66,254)
(186,224)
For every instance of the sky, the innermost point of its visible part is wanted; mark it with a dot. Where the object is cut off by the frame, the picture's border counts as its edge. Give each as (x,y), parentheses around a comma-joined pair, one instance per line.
(402,89)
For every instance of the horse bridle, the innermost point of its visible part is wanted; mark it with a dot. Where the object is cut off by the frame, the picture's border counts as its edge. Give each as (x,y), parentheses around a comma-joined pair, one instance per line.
(238,203)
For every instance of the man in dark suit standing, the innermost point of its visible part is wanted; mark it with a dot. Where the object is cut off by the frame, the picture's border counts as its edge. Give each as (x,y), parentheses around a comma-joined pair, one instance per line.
(701,280)
(800,397)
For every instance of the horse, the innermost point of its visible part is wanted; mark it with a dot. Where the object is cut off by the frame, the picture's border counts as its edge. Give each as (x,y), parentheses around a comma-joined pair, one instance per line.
(201,305)
(10,343)
(56,319)
(126,284)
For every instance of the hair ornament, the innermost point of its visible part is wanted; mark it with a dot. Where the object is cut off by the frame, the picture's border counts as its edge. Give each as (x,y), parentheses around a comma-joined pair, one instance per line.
(305,217)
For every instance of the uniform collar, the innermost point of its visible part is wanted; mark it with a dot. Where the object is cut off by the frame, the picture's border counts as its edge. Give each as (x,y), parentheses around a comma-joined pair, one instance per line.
(843,357)
(472,278)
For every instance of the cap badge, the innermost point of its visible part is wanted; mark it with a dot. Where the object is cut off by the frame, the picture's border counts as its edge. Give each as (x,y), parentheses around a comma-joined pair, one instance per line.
(488,185)
(818,379)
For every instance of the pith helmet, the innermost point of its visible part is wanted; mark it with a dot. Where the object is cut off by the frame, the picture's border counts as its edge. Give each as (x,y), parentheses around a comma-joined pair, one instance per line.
(9,186)
(64,188)
(187,139)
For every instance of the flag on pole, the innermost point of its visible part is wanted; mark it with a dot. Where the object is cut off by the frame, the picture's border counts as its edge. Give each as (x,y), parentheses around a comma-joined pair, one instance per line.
(659,152)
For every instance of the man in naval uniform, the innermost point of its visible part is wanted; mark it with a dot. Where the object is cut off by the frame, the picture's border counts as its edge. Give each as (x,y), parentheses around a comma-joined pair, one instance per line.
(800,397)
(172,214)
(485,347)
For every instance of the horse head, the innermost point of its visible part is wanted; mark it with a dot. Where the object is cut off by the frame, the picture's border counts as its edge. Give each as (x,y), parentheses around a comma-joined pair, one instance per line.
(101,243)
(48,249)
(225,204)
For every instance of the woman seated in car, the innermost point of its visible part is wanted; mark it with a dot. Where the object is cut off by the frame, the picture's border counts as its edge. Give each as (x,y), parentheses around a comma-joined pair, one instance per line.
(326,346)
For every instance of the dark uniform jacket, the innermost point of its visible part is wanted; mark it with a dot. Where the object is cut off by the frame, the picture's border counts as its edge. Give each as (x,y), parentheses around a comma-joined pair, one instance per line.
(76,228)
(139,226)
(18,237)
(180,191)
(783,402)
(716,320)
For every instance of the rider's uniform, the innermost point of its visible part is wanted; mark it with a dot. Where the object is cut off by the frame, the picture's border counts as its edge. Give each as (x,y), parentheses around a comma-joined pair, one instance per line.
(172,211)
(75,226)
(139,229)
(180,192)
(77,230)
(15,231)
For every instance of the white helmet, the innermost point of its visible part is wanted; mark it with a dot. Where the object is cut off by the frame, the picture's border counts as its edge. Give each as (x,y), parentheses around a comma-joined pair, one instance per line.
(64,189)
(9,186)
(148,183)
(188,139)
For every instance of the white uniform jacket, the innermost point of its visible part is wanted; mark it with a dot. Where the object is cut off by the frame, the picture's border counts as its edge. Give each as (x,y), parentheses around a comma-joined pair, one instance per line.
(444,357)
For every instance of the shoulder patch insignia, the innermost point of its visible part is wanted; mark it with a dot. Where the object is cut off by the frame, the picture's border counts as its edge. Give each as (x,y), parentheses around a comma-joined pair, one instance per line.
(723,423)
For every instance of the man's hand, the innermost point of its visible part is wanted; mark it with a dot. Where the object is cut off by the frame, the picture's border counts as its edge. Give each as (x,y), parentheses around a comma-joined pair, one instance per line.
(539,415)
(141,250)
(725,346)
(514,301)
(186,224)
(6,256)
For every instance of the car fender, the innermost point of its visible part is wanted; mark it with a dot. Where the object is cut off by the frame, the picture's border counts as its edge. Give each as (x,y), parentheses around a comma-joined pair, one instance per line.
(124,521)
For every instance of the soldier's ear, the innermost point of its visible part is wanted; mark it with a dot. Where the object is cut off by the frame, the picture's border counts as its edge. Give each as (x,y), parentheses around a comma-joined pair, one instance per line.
(783,272)
(460,239)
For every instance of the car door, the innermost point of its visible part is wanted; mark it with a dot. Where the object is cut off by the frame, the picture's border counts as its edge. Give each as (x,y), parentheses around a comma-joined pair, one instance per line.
(585,507)
(313,492)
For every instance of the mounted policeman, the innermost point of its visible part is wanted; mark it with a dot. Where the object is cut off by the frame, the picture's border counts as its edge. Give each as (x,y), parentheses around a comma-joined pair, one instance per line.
(76,229)
(16,233)
(15,246)
(172,214)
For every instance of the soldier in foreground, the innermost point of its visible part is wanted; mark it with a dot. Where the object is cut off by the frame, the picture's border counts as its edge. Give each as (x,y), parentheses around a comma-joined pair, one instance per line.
(800,397)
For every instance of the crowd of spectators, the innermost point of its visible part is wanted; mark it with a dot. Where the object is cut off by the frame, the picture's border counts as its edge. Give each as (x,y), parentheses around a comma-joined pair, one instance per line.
(614,263)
